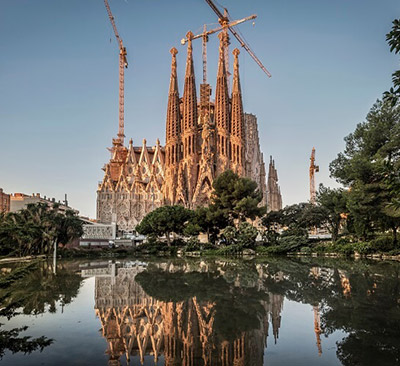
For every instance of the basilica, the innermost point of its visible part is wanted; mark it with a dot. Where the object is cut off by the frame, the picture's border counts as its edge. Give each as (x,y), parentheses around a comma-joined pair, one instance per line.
(204,138)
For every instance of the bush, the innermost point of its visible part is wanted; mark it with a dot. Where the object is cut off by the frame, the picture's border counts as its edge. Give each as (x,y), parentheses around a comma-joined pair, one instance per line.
(292,242)
(342,241)
(246,235)
(192,245)
(363,248)
(178,242)
(232,249)
(346,249)
(382,244)
(306,250)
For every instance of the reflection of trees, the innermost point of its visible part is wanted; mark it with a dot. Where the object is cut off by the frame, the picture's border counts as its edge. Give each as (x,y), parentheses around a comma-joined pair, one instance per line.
(359,298)
(193,313)
(33,289)
(216,312)
(238,309)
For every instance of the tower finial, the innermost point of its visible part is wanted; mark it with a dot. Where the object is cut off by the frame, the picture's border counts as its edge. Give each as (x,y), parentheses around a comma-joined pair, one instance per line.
(189,36)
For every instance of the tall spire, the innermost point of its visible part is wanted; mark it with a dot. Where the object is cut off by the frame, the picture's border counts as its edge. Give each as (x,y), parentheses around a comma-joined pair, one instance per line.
(189,92)
(237,122)
(222,119)
(274,196)
(221,91)
(173,115)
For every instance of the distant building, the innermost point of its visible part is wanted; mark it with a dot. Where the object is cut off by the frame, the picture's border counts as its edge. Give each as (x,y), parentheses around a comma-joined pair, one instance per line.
(4,201)
(274,197)
(98,234)
(19,201)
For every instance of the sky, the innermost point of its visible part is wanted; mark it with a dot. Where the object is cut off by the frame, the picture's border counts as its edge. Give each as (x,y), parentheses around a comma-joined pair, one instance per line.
(329,62)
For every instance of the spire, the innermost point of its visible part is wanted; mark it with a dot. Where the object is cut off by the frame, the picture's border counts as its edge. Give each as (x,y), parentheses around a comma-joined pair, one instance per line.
(237,122)
(274,196)
(189,92)
(221,92)
(173,113)
(237,127)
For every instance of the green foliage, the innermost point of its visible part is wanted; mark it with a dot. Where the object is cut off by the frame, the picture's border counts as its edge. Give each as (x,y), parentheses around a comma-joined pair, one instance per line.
(246,236)
(237,239)
(31,289)
(164,221)
(193,244)
(235,198)
(393,39)
(332,203)
(34,230)
(381,244)
(369,165)
(11,340)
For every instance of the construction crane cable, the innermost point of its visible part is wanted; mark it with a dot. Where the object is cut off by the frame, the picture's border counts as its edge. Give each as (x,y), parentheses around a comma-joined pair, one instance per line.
(237,36)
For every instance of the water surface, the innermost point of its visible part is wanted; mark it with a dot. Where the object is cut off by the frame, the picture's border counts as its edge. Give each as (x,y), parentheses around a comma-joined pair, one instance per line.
(272,311)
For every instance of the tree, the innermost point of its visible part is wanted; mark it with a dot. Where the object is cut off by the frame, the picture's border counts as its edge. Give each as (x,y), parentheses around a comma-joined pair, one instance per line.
(206,221)
(332,205)
(165,220)
(393,38)
(36,228)
(371,156)
(235,199)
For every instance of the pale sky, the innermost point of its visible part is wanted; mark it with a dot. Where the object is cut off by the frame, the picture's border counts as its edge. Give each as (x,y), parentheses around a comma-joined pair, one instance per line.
(59,82)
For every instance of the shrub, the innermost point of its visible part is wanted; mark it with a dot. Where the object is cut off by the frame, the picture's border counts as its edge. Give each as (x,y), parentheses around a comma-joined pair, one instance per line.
(192,245)
(178,242)
(382,244)
(292,242)
(246,235)
(342,241)
(346,249)
(363,248)
(306,250)
(232,249)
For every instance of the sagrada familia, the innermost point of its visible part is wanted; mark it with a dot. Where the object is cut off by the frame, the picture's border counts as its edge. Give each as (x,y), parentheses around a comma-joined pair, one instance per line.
(203,139)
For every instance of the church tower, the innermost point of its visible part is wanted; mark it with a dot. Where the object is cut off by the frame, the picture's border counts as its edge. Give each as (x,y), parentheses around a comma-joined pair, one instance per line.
(173,131)
(274,197)
(221,113)
(189,163)
(237,121)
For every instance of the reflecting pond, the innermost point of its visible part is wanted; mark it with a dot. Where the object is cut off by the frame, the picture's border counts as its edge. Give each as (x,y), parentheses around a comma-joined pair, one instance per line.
(269,311)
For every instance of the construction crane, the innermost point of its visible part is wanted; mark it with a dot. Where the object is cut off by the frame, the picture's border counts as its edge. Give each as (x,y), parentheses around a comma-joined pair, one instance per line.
(204,37)
(123,63)
(223,19)
(313,169)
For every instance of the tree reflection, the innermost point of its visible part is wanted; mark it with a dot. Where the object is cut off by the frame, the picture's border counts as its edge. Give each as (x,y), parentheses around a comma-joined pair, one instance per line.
(191,315)
(33,289)
(219,312)
(359,298)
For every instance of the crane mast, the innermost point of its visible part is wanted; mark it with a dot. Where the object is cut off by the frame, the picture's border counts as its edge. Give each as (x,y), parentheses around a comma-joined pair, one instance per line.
(123,63)
(224,21)
(313,169)
(204,37)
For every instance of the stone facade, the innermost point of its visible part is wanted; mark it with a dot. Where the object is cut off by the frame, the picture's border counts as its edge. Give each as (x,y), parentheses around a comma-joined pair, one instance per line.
(255,167)
(203,139)
(274,196)
(4,201)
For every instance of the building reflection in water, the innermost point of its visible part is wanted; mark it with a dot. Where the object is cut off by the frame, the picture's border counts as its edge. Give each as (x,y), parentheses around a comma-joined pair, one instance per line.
(183,332)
